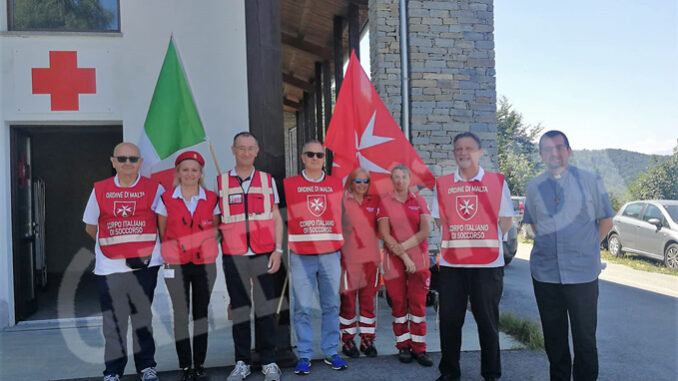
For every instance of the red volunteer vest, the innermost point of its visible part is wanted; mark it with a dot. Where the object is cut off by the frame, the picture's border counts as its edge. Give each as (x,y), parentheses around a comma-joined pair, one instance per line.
(469,217)
(189,238)
(314,215)
(127,224)
(242,212)
(359,225)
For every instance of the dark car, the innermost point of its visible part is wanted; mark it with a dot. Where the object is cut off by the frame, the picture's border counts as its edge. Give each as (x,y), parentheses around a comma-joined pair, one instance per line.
(510,245)
(648,228)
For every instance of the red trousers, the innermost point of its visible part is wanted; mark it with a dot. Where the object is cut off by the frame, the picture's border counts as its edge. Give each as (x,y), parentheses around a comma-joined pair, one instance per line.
(358,281)
(408,300)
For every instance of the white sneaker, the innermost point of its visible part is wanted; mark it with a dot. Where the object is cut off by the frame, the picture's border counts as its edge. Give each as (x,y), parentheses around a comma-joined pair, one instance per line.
(149,374)
(271,372)
(112,377)
(241,371)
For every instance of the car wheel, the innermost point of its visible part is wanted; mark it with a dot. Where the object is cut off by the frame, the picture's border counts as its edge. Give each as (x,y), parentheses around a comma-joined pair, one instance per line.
(614,246)
(671,256)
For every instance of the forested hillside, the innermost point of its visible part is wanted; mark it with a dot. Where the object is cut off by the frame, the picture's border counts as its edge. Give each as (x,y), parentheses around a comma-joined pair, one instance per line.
(618,168)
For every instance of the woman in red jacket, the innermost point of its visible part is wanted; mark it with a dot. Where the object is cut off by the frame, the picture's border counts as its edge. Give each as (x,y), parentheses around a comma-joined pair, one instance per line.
(404,223)
(187,221)
(360,262)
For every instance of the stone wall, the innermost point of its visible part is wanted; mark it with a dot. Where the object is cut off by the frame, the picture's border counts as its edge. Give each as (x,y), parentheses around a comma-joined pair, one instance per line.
(452,75)
(452,84)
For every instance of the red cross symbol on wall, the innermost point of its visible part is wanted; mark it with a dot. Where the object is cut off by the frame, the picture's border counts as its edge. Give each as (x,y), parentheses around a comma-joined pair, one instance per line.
(64,81)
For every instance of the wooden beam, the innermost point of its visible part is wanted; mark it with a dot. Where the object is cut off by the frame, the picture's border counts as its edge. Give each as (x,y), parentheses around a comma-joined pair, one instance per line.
(337,42)
(327,108)
(319,125)
(354,29)
(309,112)
(305,46)
(292,104)
(360,3)
(298,83)
(301,137)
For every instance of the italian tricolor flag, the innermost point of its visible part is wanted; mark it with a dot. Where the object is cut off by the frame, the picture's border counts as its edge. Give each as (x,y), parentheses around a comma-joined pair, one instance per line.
(172,122)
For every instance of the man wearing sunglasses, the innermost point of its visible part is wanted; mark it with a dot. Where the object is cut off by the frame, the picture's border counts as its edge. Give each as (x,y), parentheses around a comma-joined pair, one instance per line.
(121,217)
(315,237)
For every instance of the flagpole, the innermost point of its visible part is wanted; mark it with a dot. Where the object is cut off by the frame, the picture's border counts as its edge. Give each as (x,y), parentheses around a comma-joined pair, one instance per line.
(214,156)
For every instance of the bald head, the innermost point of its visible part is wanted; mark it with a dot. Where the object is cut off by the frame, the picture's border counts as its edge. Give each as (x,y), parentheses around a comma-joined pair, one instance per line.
(126,147)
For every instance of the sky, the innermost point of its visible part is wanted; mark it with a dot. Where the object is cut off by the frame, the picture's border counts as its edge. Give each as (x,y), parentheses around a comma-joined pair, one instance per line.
(605,72)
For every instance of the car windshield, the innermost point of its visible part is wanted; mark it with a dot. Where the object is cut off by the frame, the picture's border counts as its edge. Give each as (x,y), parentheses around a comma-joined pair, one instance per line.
(673,211)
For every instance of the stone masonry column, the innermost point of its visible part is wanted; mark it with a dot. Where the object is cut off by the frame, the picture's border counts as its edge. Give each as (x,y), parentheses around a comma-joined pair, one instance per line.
(452,75)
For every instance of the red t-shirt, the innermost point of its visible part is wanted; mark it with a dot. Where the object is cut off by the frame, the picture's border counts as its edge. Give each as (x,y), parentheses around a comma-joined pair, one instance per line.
(359,221)
(404,218)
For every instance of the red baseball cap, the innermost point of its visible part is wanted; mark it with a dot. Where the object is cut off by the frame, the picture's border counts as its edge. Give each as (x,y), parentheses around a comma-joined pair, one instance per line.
(190,155)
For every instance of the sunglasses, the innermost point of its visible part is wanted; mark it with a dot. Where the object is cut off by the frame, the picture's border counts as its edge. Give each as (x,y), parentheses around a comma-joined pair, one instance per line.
(363,181)
(310,154)
(131,159)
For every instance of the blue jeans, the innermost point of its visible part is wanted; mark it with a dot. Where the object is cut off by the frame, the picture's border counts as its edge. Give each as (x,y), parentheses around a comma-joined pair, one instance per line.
(316,274)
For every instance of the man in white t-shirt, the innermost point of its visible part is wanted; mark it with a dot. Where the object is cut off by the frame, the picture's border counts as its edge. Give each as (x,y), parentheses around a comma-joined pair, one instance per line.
(120,216)
(473,208)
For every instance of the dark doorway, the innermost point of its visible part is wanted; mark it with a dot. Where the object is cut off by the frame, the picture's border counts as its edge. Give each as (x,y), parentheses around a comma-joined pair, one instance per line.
(54,169)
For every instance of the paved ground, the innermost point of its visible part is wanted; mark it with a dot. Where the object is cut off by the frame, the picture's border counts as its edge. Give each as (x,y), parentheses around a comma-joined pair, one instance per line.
(518,365)
(637,318)
(73,348)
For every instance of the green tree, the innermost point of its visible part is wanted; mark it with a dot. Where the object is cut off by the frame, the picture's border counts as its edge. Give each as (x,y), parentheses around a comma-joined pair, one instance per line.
(61,15)
(659,183)
(517,147)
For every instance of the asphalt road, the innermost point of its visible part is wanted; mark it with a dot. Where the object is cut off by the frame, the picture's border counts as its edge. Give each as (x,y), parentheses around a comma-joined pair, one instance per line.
(637,318)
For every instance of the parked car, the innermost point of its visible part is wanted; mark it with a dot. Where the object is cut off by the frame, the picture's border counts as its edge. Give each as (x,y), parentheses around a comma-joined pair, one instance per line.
(648,228)
(510,245)
(518,210)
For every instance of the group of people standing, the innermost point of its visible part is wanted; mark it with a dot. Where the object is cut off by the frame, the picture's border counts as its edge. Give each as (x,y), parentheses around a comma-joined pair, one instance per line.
(334,231)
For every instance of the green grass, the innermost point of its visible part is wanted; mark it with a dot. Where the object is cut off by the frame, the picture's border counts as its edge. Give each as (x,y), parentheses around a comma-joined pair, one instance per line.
(639,263)
(524,330)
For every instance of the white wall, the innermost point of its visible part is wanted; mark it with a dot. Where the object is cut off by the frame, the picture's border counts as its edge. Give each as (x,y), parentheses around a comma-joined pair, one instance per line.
(210,36)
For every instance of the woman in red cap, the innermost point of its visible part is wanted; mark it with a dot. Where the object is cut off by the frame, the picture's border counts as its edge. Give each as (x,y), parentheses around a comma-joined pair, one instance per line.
(187,221)
(360,261)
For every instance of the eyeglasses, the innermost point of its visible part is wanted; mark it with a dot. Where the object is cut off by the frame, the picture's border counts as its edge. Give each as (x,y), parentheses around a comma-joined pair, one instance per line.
(131,159)
(319,155)
(559,147)
(362,181)
(246,149)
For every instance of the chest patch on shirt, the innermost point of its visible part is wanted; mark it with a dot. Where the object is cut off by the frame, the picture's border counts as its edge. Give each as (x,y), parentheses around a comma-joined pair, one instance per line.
(235,198)
(414,207)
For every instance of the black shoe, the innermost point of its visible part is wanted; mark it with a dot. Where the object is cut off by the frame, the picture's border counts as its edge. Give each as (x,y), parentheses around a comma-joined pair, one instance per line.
(187,374)
(367,347)
(350,349)
(422,358)
(447,377)
(490,379)
(405,355)
(199,373)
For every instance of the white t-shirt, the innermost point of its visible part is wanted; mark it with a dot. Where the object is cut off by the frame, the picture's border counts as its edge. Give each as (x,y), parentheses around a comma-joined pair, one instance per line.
(104,265)
(505,210)
(191,205)
(246,186)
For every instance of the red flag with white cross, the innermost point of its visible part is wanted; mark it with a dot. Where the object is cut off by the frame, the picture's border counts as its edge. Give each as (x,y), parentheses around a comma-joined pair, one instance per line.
(363,133)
